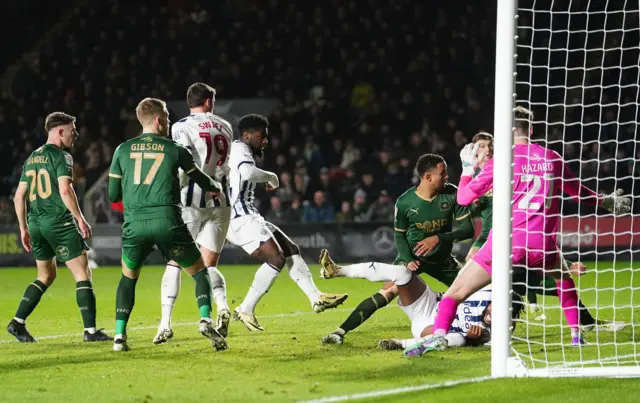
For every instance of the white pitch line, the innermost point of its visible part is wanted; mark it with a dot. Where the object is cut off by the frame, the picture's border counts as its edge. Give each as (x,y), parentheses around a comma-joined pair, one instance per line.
(395,391)
(280,315)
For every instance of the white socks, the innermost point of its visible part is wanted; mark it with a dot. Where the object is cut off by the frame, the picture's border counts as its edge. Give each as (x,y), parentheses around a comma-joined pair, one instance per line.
(218,288)
(299,272)
(168,294)
(265,276)
(374,271)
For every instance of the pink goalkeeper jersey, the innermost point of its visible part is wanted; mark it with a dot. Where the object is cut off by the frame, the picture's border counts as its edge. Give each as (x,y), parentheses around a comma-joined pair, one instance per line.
(539,178)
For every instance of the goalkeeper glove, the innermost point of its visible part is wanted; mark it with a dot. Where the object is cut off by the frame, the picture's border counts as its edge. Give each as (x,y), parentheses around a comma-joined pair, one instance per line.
(616,203)
(469,159)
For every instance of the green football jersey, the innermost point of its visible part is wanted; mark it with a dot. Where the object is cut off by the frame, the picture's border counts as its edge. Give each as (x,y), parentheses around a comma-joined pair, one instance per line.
(148,168)
(41,172)
(419,219)
(483,208)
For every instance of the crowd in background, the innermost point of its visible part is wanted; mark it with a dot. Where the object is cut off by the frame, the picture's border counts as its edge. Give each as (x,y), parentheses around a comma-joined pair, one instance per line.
(365,87)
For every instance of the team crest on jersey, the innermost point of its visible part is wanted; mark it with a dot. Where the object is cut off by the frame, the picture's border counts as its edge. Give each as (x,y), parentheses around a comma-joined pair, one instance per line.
(445,205)
(62,251)
(147,139)
(69,160)
(177,251)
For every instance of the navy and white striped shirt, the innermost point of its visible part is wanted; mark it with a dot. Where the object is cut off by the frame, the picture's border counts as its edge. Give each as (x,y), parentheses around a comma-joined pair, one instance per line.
(470,312)
(242,189)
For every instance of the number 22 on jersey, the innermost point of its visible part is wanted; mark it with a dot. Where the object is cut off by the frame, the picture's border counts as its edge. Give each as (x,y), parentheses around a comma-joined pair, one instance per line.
(137,167)
(220,143)
(536,183)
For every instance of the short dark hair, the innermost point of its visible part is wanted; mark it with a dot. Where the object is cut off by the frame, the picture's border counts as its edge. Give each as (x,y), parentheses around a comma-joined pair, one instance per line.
(427,162)
(198,93)
(523,118)
(252,122)
(56,119)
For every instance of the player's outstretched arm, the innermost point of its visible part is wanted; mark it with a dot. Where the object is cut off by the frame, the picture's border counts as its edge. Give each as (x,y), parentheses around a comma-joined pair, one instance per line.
(615,202)
(254,174)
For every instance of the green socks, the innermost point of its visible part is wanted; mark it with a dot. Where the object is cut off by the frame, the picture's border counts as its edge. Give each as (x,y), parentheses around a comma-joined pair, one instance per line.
(203,293)
(364,311)
(125,298)
(86,300)
(30,299)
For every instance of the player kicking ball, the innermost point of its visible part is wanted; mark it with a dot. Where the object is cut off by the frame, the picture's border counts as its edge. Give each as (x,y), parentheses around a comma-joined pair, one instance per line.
(208,137)
(144,175)
(424,236)
(55,228)
(539,173)
(537,283)
(259,238)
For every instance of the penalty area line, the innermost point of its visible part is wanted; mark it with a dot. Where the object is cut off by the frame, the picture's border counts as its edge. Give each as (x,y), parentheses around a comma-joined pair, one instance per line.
(280,315)
(396,391)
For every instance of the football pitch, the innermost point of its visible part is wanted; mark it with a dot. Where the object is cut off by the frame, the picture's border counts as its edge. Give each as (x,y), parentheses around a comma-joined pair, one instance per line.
(287,362)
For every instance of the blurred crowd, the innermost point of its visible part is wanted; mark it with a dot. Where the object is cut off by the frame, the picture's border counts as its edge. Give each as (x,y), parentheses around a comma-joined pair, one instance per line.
(365,86)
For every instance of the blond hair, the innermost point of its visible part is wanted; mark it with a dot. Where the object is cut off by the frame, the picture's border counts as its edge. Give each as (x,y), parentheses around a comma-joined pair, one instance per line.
(148,109)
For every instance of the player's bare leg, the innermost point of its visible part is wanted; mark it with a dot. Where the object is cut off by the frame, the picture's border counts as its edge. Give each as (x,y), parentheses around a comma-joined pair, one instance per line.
(86,298)
(200,275)
(46,276)
(273,261)
(218,290)
(301,275)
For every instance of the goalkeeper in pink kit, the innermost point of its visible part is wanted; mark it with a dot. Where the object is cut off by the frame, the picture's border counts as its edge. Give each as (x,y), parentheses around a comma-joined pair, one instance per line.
(539,174)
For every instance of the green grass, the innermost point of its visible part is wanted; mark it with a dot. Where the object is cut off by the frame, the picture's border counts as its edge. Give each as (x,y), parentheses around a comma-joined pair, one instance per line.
(285,363)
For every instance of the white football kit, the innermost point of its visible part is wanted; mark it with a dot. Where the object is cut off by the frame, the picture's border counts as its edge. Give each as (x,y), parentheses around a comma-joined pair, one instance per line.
(422,312)
(248,229)
(209,138)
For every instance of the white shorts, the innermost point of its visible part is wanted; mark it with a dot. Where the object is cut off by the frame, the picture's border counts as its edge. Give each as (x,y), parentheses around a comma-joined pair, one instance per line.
(422,312)
(208,226)
(250,231)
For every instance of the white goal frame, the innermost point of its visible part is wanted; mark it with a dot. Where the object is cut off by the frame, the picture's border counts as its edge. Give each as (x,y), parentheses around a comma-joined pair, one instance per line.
(502,363)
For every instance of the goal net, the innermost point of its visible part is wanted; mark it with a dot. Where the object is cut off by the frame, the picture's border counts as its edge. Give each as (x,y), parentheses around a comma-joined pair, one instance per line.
(577,69)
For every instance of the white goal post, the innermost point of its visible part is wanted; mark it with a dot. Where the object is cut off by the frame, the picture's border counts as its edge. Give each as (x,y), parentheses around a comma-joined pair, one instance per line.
(572,63)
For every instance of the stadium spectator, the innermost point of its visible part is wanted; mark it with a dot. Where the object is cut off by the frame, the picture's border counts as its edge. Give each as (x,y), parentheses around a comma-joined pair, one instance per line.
(365,106)
(276,214)
(360,207)
(320,210)
(345,214)
(295,210)
(382,209)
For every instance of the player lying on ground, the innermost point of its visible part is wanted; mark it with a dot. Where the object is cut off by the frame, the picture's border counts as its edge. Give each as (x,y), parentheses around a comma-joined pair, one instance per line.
(531,282)
(538,175)
(260,238)
(208,137)
(420,303)
(55,228)
(424,237)
(144,175)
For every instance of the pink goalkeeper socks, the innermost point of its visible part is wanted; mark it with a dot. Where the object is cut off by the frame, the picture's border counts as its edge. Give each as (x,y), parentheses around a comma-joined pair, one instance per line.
(569,302)
(446,314)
